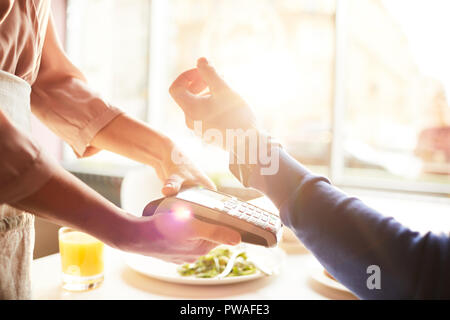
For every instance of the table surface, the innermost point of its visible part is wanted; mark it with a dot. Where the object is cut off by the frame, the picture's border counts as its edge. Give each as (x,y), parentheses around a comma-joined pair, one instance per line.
(122,282)
(293,282)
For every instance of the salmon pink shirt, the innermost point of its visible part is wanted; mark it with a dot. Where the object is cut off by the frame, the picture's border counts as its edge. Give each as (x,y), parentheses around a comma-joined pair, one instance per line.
(60,96)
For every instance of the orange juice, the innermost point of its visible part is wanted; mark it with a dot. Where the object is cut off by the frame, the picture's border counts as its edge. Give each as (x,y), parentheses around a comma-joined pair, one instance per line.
(81,254)
(81,259)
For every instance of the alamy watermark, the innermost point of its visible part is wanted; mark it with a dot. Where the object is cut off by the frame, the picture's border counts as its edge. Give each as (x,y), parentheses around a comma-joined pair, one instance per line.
(248,146)
(374,280)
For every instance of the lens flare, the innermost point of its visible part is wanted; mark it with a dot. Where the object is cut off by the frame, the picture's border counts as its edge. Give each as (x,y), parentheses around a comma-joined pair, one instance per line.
(181,213)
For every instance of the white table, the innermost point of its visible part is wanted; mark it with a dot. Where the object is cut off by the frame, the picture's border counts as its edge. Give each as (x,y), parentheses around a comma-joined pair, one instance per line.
(122,282)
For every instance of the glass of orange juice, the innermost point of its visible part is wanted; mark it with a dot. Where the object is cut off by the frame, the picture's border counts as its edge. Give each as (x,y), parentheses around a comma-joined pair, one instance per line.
(81,260)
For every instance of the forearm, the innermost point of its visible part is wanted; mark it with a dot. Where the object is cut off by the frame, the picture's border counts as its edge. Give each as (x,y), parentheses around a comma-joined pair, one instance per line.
(65,200)
(135,140)
(347,237)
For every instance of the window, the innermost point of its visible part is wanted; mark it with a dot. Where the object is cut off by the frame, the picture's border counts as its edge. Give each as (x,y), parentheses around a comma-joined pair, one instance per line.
(339,82)
(394,115)
(109,41)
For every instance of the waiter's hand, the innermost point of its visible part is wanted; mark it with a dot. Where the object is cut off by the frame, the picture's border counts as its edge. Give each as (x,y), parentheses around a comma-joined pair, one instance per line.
(177,170)
(178,237)
(204,96)
(136,140)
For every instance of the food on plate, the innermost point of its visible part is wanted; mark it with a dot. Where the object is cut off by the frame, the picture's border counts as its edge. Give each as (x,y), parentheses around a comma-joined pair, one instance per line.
(215,262)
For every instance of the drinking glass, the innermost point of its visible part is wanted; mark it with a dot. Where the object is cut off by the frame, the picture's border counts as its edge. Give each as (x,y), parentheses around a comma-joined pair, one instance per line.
(81,260)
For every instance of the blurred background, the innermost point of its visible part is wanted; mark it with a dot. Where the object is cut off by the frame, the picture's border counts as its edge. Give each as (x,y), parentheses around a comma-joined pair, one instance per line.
(355,89)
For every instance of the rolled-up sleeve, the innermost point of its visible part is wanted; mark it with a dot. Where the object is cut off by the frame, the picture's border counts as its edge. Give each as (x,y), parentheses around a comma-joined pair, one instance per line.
(24,169)
(61,99)
(71,110)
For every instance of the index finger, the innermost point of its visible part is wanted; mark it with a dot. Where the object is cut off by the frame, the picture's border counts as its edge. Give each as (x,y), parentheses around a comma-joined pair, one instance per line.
(180,90)
(191,80)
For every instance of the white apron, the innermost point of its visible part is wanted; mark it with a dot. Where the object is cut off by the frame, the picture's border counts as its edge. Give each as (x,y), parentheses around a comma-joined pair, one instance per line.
(16,226)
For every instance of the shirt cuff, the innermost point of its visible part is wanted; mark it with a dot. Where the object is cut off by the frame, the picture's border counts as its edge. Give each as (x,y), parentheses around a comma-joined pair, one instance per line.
(81,147)
(287,177)
(281,180)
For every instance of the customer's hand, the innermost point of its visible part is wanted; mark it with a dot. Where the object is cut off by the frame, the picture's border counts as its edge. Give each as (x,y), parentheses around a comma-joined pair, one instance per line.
(204,96)
(177,170)
(178,237)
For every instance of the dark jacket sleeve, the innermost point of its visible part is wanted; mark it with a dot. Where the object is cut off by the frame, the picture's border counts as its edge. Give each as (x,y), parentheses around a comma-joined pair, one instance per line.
(347,237)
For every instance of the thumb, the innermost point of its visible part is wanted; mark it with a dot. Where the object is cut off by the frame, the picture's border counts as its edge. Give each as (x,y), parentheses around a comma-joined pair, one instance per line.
(214,233)
(172,185)
(210,76)
(181,88)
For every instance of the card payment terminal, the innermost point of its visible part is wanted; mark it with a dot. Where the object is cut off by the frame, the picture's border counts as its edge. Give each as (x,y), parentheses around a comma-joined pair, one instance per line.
(256,225)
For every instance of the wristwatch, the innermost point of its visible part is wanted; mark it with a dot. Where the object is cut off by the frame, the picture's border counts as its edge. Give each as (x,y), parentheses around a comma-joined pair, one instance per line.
(245,156)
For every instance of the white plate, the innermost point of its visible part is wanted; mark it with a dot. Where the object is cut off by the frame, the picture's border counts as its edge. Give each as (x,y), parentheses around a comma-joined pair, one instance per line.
(166,271)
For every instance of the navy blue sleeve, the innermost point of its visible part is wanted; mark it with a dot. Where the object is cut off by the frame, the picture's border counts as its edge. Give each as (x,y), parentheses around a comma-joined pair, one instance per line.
(347,237)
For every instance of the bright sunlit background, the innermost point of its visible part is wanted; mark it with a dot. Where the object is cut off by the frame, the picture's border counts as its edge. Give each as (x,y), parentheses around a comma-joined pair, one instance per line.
(355,89)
